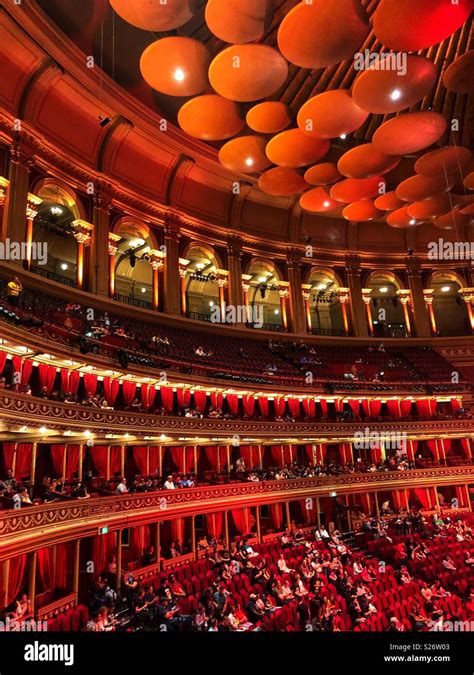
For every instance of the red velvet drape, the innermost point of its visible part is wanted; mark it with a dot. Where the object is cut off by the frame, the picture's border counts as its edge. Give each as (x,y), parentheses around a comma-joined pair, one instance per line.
(70,381)
(242,520)
(99,459)
(249,405)
(376,453)
(177,530)
(233,403)
(424,496)
(278,454)
(139,540)
(128,390)
(439,447)
(466,446)
(412,447)
(345,453)
(354,404)
(426,406)
(295,408)
(57,455)
(156,458)
(309,407)
(15,579)
(63,564)
(215,524)
(324,406)
(115,460)
(308,510)
(8,453)
(339,405)
(456,404)
(217,457)
(46,568)
(90,383)
(183,457)
(399,407)
(184,397)
(318,454)
(24,367)
(250,455)
(371,407)
(280,406)
(167,398)
(276,515)
(103,548)
(111,390)
(200,401)
(47,373)
(263,405)
(399,499)
(72,459)
(3,360)
(140,457)
(367,503)
(217,400)
(148,394)
(24,454)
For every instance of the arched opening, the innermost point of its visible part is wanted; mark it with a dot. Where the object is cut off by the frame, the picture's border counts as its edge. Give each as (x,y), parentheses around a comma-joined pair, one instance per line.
(133,272)
(264,295)
(53,230)
(386,309)
(324,305)
(449,309)
(202,289)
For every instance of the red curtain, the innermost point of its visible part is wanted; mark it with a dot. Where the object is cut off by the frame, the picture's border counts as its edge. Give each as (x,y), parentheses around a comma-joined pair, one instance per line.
(217,400)
(233,403)
(426,406)
(278,454)
(15,579)
(250,455)
(309,407)
(200,400)
(47,374)
(367,503)
(280,405)
(140,457)
(90,383)
(439,447)
(294,406)
(308,510)
(128,390)
(167,398)
(276,515)
(412,447)
(140,540)
(398,407)
(99,459)
(111,390)
(8,454)
(339,405)
(46,568)
(462,495)
(24,453)
(148,393)
(371,407)
(249,405)
(456,404)
(70,381)
(345,453)
(376,453)
(466,446)
(72,459)
(289,453)
(115,460)
(24,367)
(102,549)
(183,457)
(318,455)
(263,405)
(217,457)
(184,398)
(355,406)
(3,359)
(156,458)
(324,406)
(424,497)
(399,499)
(242,520)
(215,524)
(58,453)
(177,530)
(63,564)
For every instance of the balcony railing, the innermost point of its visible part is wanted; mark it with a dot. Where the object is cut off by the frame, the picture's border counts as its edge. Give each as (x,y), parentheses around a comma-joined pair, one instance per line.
(53,276)
(135,302)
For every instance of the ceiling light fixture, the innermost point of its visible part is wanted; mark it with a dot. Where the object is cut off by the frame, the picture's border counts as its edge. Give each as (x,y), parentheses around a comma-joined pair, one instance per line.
(446,289)
(384,289)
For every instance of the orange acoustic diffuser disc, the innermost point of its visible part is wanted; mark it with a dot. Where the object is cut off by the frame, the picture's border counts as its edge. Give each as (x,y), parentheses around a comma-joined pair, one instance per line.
(320,34)
(330,114)
(269,117)
(430,208)
(452,220)
(361,211)
(365,161)
(418,187)
(155,15)
(317,200)
(354,189)
(245,154)
(210,117)
(383,88)
(409,133)
(176,66)
(322,174)
(248,72)
(443,161)
(238,21)
(402,219)
(293,148)
(389,202)
(282,181)
(458,77)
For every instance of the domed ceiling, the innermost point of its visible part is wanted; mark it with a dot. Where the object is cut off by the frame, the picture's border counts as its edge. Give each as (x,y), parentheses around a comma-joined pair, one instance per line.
(360,109)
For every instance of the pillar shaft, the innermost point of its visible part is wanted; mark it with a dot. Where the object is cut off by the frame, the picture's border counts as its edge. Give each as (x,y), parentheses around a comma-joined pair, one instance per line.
(99,262)
(297,308)
(357,305)
(421,317)
(172,281)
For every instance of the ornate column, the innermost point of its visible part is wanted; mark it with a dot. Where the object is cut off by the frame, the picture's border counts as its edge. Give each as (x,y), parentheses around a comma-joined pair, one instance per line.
(222,282)
(112,250)
(99,262)
(428,297)
(355,300)
(306,292)
(183,264)
(31,212)
(246,279)
(4,183)
(118,577)
(344,297)
(366,300)
(21,162)
(234,265)
(172,277)
(404,297)
(283,292)
(157,263)
(297,310)
(83,237)
(75,572)
(420,313)
(32,581)
(467,294)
